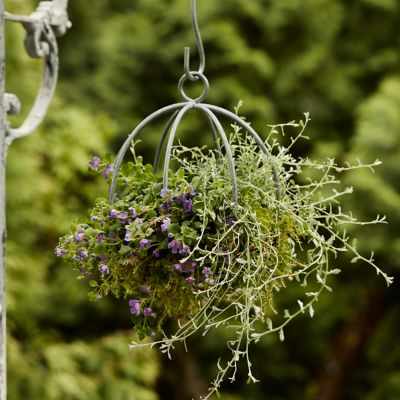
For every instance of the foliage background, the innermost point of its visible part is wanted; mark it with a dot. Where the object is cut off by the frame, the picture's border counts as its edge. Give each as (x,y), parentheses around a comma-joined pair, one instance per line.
(337,59)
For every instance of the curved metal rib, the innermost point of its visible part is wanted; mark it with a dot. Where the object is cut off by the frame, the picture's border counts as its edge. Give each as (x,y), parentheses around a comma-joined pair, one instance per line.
(231,163)
(259,141)
(160,146)
(167,128)
(48,21)
(46,91)
(170,142)
(124,148)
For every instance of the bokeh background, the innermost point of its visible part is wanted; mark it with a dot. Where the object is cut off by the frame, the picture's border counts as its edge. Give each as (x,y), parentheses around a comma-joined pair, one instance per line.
(337,59)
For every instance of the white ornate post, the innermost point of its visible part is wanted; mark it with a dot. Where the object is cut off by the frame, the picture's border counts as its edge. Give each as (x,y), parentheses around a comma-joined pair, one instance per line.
(48,21)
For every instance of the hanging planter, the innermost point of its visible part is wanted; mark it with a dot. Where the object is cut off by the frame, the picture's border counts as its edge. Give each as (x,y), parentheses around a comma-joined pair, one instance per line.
(215,240)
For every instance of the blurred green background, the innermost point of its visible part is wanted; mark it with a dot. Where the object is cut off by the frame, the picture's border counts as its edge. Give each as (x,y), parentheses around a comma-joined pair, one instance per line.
(337,59)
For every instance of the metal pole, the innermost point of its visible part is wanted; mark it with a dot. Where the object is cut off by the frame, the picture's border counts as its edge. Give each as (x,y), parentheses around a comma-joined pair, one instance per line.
(3,330)
(48,21)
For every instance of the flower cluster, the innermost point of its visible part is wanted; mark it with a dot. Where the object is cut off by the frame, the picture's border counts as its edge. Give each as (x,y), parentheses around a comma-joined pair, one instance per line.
(145,248)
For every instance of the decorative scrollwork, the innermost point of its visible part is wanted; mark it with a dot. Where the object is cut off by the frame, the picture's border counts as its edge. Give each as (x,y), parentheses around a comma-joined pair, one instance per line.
(48,21)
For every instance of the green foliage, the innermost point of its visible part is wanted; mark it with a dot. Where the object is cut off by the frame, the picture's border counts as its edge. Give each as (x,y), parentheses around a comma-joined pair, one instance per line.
(98,370)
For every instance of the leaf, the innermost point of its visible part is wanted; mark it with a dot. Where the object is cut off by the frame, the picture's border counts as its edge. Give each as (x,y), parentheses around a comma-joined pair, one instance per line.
(281,335)
(241,261)
(124,250)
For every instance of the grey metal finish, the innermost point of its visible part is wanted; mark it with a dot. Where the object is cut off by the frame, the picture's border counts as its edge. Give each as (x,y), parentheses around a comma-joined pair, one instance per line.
(3,330)
(48,21)
(179,110)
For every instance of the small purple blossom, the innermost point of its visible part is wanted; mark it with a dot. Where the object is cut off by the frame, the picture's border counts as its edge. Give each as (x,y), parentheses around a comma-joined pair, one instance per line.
(148,312)
(156,253)
(132,211)
(108,170)
(102,257)
(80,236)
(170,235)
(165,206)
(230,221)
(175,246)
(178,267)
(189,266)
(180,198)
(100,237)
(207,272)
(164,192)
(135,307)
(165,224)
(185,250)
(190,280)
(192,191)
(128,236)
(144,243)
(209,281)
(95,218)
(114,213)
(83,254)
(152,335)
(104,269)
(122,215)
(94,163)
(60,252)
(188,205)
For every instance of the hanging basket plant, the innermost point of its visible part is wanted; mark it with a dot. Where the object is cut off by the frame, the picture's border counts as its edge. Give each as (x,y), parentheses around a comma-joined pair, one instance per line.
(189,252)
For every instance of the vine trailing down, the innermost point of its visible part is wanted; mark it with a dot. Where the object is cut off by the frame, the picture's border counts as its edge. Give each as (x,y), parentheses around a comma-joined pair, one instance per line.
(189,252)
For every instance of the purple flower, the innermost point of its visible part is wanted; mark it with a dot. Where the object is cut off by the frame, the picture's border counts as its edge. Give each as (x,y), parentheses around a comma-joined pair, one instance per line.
(100,237)
(209,281)
(108,170)
(135,307)
(104,269)
(185,250)
(190,280)
(170,235)
(113,213)
(164,192)
(80,236)
(156,254)
(165,206)
(132,211)
(166,223)
(152,335)
(94,163)
(95,218)
(189,266)
(144,243)
(192,191)
(175,246)
(187,205)
(122,215)
(230,221)
(180,198)
(60,252)
(148,312)
(178,267)
(207,272)
(102,257)
(83,255)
